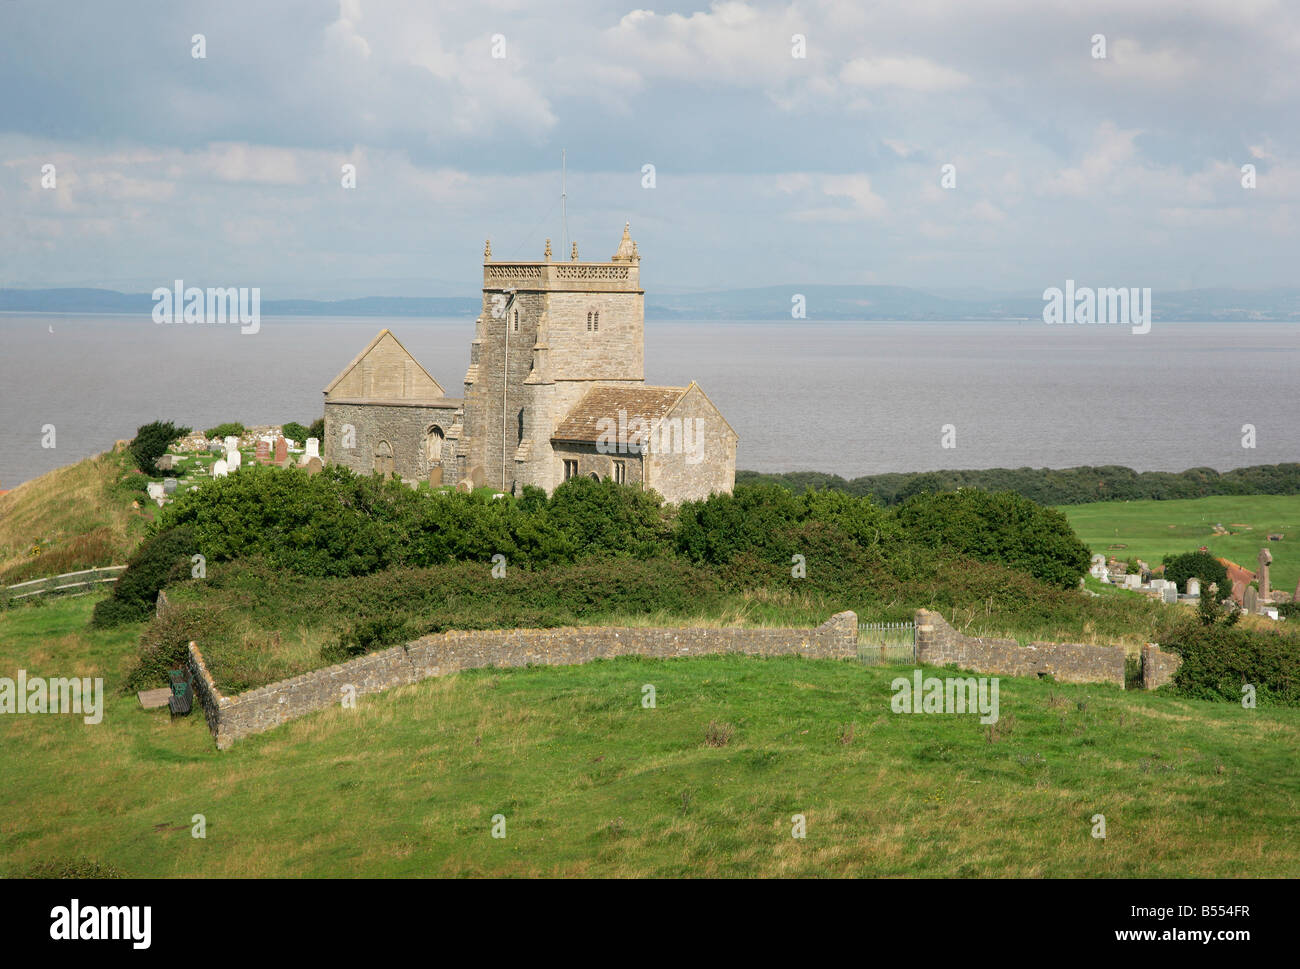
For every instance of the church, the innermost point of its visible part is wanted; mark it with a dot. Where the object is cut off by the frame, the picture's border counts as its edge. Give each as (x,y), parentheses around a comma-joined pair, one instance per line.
(555,389)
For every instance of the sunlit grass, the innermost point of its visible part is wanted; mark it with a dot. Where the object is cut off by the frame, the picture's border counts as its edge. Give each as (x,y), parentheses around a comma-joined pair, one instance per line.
(593,783)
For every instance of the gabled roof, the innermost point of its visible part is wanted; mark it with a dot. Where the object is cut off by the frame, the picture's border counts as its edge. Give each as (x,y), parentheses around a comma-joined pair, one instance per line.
(379,338)
(608,403)
(605,403)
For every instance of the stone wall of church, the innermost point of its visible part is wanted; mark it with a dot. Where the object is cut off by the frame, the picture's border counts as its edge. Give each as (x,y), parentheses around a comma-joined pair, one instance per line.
(402,426)
(590,462)
(693,454)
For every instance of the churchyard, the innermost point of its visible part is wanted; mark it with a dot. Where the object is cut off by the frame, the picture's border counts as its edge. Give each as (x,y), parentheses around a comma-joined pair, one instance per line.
(1150,530)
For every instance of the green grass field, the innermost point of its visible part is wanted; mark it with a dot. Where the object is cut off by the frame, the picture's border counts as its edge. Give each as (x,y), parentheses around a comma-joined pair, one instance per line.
(1154,529)
(591,783)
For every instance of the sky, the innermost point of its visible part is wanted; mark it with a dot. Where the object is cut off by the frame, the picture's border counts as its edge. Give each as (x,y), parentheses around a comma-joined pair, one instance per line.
(768,168)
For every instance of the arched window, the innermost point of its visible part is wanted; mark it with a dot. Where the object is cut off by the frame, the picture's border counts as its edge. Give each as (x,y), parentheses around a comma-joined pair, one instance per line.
(433,441)
(384,464)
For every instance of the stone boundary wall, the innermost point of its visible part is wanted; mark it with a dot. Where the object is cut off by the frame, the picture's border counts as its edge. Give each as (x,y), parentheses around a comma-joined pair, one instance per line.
(1158,666)
(938,644)
(231,718)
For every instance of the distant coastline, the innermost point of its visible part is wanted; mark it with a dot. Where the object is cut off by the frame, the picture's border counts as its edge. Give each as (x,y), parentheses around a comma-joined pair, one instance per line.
(773,303)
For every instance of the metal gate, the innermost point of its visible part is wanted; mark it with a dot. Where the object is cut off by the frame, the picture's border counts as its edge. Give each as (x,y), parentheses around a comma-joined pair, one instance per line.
(884,643)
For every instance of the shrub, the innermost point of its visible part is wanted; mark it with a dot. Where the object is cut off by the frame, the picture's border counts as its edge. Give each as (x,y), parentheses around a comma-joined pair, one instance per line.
(295,432)
(164,644)
(723,526)
(1198,565)
(1001,527)
(161,559)
(1218,660)
(228,429)
(374,632)
(151,442)
(317,429)
(602,516)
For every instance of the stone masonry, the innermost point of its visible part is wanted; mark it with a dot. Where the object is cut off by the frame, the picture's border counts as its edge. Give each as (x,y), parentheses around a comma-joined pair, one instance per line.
(232,718)
(939,644)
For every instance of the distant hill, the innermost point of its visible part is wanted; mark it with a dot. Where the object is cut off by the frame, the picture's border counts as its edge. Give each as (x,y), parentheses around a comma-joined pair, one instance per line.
(111,301)
(823,303)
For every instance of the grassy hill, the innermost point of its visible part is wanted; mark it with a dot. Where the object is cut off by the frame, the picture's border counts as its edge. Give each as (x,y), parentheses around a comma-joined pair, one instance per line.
(590,783)
(1152,529)
(72,518)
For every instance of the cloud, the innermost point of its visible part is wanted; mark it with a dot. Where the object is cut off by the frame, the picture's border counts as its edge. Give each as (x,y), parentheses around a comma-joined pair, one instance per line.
(908,73)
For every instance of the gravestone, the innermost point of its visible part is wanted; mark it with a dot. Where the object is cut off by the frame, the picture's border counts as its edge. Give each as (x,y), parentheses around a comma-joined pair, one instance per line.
(313,447)
(1250,599)
(155,490)
(231,443)
(166,463)
(464,486)
(263,453)
(234,460)
(1170,592)
(1098,567)
(435,477)
(1194,586)
(169,486)
(314,465)
(1265,560)
(281,451)
(219,468)
(1133,581)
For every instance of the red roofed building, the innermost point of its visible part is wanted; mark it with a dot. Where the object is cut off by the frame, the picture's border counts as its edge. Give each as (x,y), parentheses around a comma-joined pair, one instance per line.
(1240,578)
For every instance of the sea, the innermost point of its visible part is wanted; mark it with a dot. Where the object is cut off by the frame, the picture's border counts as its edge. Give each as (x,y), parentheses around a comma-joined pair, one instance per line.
(851,398)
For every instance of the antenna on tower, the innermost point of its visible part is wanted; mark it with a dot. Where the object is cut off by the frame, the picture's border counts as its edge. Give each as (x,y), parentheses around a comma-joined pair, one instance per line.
(564,213)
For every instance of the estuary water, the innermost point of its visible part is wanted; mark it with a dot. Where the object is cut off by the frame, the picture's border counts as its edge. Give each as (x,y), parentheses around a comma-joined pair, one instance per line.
(851,398)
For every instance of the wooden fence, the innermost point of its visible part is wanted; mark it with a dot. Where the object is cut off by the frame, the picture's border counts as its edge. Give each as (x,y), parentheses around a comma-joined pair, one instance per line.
(69,582)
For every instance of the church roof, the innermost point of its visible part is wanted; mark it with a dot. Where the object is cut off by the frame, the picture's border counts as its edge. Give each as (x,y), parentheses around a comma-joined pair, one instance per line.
(583,423)
(379,338)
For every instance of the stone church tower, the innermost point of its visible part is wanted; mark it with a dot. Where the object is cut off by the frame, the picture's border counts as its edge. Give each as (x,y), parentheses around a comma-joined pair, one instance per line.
(548,332)
(555,389)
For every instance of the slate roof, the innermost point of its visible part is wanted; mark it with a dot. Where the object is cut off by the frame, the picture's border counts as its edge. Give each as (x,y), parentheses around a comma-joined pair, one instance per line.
(582,424)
